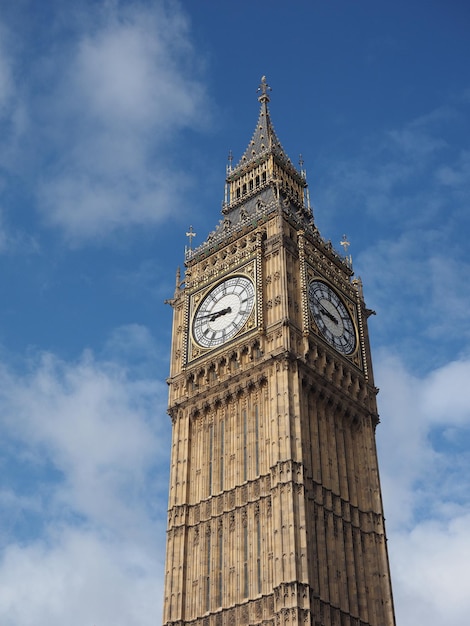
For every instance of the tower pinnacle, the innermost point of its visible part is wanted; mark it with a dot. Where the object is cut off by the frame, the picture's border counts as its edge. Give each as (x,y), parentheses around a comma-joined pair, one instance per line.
(264,88)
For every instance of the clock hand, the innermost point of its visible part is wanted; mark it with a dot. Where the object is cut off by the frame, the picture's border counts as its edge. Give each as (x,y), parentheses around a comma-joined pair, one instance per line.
(219,314)
(328,314)
(216,314)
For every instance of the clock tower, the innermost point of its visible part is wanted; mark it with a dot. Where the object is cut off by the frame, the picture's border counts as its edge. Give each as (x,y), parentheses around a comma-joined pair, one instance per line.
(275,512)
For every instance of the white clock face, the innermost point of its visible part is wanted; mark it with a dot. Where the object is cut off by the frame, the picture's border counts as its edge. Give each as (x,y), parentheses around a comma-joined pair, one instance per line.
(224,311)
(331,317)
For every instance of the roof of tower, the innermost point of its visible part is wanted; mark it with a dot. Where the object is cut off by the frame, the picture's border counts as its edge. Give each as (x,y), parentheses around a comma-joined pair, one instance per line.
(248,206)
(264,139)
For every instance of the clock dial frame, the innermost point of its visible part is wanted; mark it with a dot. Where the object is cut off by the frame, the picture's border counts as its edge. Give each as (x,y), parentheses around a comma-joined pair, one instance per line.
(223,311)
(332,317)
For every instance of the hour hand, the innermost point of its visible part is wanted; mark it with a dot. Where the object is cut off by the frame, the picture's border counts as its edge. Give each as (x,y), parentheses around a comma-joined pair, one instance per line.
(217,314)
(213,316)
(325,311)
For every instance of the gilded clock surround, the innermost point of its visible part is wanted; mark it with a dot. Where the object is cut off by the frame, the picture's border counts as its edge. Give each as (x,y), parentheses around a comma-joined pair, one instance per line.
(275,515)
(195,349)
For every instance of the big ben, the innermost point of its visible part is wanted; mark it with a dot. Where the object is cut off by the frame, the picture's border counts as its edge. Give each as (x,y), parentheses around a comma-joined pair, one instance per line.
(275,512)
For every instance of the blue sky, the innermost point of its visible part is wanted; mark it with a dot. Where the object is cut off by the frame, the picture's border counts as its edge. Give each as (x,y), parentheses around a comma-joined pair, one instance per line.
(116,119)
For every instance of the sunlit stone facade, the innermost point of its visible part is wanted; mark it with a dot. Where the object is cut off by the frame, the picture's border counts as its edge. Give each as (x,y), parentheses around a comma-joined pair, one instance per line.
(275,512)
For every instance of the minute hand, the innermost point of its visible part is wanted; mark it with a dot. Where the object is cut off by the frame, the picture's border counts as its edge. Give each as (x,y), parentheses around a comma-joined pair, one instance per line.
(220,313)
(213,316)
(328,314)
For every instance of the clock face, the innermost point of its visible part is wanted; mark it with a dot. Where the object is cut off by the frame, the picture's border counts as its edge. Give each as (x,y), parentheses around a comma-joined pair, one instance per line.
(223,311)
(332,317)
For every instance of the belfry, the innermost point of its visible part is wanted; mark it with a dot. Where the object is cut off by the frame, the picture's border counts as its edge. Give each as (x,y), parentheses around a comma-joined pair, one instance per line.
(275,513)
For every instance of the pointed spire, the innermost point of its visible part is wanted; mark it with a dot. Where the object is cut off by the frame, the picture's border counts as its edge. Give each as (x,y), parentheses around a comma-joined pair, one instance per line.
(264,181)
(303,173)
(264,138)
(178,281)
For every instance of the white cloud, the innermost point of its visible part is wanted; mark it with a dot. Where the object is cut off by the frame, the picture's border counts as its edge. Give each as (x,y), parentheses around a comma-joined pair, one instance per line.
(413,177)
(80,578)
(93,425)
(412,280)
(129,72)
(446,394)
(413,409)
(430,568)
(112,95)
(11,123)
(98,556)
(406,198)
(457,174)
(132,340)
(90,441)
(403,199)
(426,487)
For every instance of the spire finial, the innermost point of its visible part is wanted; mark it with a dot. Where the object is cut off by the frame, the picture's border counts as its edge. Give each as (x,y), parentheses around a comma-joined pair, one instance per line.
(264,88)
(345,243)
(190,234)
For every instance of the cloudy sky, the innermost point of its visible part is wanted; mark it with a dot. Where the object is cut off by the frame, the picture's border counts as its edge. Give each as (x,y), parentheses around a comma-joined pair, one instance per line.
(116,118)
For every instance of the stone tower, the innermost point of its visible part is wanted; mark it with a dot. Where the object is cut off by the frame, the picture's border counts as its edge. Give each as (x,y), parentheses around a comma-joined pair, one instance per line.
(275,511)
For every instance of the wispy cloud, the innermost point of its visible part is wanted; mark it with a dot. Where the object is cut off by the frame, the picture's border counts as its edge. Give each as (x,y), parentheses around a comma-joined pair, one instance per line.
(79,577)
(396,177)
(403,200)
(102,104)
(430,571)
(423,449)
(88,533)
